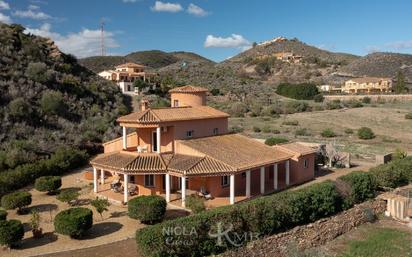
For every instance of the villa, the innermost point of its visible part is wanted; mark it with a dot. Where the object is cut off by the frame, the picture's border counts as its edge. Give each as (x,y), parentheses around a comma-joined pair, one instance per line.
(367,85)
(126,74)
(187,149)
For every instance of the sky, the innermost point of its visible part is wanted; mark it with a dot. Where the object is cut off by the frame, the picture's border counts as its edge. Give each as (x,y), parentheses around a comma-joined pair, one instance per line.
(216,29)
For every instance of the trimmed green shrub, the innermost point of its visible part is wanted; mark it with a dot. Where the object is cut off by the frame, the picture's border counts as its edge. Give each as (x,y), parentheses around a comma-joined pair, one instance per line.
(328,133)
(11,232)
(365,133)
(362,187)
(49,184)
(63,160)
(195,203)
(68,196)
(148,209)
(73,222)
(276,140)
(304,91)
(408,116)
(16,200)
(3,215)
(393,174)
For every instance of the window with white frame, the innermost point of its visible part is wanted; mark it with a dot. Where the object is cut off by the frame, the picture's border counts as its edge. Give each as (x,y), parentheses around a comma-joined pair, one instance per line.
(306,163)
(189,133)
(225,181)
(149,180)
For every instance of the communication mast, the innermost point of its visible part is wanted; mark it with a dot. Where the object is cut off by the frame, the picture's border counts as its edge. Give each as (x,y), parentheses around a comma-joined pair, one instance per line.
(102,38)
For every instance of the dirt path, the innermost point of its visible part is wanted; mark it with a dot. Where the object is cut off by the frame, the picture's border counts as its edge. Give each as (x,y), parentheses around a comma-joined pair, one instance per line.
(125,248)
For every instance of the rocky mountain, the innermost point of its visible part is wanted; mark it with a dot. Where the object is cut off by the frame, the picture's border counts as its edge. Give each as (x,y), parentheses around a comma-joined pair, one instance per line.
(48,100)
(380,65)
(154,59)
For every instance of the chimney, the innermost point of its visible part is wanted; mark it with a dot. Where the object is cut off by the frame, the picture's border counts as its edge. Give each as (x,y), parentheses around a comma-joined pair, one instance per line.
(144,105)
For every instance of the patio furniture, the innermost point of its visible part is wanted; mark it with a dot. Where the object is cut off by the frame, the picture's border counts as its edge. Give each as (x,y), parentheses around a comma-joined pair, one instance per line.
(132,189)
(116,185)
(204,193)
(142,149)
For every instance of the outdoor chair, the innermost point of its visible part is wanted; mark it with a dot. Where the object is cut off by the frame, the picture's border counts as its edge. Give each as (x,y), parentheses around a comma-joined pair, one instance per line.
(132,190)
(204,193)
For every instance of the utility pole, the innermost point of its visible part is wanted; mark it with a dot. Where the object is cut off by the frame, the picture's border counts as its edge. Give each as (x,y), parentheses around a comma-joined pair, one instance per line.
(102,37)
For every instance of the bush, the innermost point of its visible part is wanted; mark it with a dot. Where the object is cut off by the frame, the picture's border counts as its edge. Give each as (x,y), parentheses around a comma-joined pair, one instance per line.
(318,98)
(393,174)
(302,132)
(362,187)
(365,133)
(195,203)
(266,129)
(101,205)
(328,133)
(52,102)
(349,131)
(73,222)
(11,232)
(408,116)
(49,184)
(17,200)
(3,215)
(63,160)
(261,216)
(148,209)
(366,100)
(304,91)
(68,196)
(290,123)
(256,129)
(276,140)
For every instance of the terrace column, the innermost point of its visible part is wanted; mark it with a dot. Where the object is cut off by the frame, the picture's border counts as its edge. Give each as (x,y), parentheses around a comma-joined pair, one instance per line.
(124,138)
(248,183)
(158,139)
(94,180)
(183,189)
(126,187)
(102,176)
(232,189)
(275,176)
(262,180)
(167,182)
(287,173)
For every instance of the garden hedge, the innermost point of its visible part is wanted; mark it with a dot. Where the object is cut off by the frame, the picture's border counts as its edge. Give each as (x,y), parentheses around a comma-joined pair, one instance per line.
(148,209)
(63,160)
(16,200)
(3,215)
(11,231)
(49,184)
(393,174)
(73,222)
(362,186)
(262,216)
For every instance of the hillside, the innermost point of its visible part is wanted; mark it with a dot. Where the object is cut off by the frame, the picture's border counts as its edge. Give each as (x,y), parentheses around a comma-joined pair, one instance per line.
(153,59)
(380,65)
(48,100)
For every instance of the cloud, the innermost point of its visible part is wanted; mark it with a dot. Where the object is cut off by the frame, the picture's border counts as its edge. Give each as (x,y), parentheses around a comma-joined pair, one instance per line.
(373,49)
(196,10)
(400,45)
(33,7)
(166,7)
(5,18)
(4,5)
(234,41)
(81,44)
(32,14)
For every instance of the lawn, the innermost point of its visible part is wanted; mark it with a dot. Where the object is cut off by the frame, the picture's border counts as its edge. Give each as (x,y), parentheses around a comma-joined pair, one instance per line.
(380,242)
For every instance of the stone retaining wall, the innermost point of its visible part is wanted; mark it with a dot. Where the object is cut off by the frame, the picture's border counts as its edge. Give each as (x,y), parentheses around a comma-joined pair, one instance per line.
(311,235)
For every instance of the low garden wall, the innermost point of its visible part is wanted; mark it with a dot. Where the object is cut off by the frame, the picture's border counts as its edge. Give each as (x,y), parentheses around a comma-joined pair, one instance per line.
(374,98)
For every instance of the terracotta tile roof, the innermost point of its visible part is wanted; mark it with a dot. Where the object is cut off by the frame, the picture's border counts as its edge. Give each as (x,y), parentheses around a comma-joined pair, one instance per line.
(131,162)
(172,114)
(188,89)
(130,64)
(195,165)
(237,151)
(296,148)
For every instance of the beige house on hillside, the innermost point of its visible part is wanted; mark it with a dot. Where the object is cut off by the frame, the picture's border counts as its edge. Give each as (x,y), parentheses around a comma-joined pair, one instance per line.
(126,74)
(367,85)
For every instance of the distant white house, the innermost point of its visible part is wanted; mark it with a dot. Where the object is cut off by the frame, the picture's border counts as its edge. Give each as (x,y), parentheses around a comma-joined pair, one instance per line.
(126,74)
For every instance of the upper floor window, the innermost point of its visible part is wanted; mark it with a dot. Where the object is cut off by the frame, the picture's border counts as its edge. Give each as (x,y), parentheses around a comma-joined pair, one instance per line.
(176,103)
(305,163)
(215,131)
(225,181)
(149,180)
(189,133)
